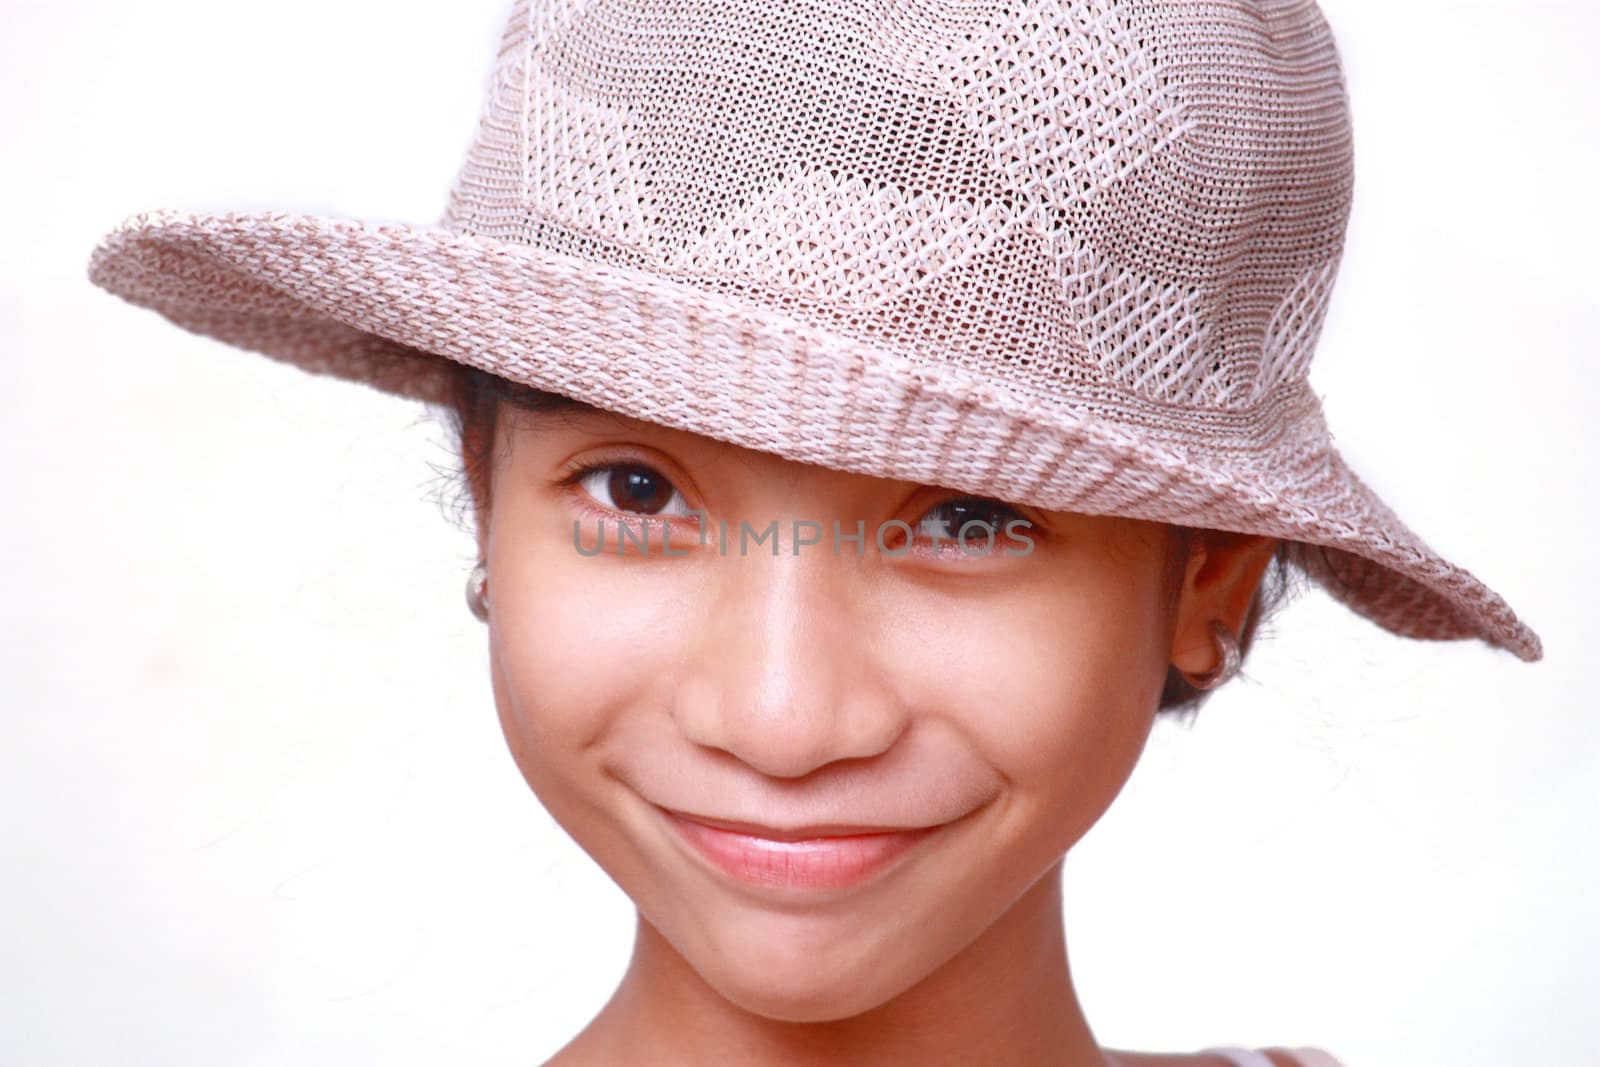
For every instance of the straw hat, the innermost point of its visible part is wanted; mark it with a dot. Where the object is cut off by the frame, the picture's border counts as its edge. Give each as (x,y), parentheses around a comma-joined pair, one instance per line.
(1068,254)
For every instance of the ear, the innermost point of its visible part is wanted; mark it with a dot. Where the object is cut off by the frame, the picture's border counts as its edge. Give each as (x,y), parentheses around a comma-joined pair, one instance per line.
(478,479)
(481,530)
(1219,582)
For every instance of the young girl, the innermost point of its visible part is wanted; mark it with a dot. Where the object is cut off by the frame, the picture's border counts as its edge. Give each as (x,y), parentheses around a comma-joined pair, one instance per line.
(875,415)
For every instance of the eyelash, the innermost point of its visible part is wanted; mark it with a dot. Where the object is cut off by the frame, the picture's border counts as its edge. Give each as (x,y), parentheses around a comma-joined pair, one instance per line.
(996,508)
(575,477)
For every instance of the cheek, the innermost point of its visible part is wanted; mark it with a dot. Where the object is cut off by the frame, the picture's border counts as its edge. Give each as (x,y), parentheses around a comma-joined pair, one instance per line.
(1057,689)
(575,643)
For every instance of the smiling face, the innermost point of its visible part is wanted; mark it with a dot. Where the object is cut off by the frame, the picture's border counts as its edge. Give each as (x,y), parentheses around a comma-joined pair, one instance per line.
(1000,697)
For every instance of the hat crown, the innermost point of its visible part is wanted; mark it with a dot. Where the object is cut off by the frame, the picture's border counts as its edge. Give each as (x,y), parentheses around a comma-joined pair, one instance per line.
(1067,255)
(1136,206)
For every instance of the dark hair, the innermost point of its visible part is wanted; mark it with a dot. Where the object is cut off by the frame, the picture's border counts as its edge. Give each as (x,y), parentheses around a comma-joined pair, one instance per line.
(473,411)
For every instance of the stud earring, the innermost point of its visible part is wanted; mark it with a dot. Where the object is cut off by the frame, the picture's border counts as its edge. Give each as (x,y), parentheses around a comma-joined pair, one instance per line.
(1227,659)
(478,591)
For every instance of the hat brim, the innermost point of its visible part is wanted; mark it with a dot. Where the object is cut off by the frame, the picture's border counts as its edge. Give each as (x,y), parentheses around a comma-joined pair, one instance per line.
(387,304)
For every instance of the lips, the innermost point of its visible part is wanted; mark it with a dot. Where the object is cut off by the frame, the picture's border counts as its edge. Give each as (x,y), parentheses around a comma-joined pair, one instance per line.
(828,856)
(795,833)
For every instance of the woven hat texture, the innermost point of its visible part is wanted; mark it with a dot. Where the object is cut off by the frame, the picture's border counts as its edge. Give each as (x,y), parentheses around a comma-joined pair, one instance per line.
(1068,254)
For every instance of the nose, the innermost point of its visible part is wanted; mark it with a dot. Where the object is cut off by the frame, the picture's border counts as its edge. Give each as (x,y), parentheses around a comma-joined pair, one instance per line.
(784,673)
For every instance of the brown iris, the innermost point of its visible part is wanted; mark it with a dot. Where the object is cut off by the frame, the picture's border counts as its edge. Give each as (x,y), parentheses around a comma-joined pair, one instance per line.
(637,488)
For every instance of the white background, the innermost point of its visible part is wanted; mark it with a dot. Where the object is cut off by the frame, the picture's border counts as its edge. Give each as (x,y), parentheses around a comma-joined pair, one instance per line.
(256,806)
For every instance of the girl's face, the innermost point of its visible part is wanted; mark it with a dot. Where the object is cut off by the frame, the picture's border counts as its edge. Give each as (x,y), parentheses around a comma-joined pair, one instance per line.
(1000,698)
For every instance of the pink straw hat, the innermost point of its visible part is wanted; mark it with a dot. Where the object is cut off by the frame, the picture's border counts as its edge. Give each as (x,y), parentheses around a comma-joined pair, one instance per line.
(1069,254)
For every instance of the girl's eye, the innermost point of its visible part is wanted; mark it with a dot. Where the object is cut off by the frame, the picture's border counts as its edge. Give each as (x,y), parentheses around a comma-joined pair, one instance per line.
(943,523)
(637,489)
(632,488)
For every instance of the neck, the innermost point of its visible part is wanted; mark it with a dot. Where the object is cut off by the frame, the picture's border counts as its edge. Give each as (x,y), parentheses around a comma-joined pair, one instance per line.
(1006,998)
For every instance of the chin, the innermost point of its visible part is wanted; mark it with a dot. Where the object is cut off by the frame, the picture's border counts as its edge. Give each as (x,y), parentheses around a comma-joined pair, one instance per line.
(794,988)
(808,965)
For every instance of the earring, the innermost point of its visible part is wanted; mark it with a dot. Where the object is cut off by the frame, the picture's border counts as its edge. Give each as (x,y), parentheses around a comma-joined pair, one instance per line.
(1227,659)
(478,590)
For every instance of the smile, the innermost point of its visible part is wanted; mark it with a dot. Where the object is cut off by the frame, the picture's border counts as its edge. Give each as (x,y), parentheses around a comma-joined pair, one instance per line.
(832,860)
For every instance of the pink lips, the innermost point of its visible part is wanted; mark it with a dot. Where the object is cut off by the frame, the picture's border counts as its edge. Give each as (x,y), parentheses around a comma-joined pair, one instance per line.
(834,861)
